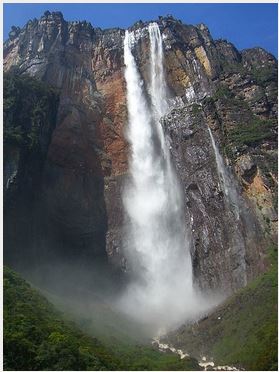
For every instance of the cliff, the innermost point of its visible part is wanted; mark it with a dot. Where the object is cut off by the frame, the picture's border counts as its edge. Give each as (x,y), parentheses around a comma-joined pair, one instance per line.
(210,83)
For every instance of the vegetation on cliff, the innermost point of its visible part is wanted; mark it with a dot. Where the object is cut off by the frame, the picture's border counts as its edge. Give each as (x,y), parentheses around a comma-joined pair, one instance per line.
(30,108)
(250,130)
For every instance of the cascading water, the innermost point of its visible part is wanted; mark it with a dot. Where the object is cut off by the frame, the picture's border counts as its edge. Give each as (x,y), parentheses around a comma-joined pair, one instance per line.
(234,201)
(162,292)
(227,183)
(157,87)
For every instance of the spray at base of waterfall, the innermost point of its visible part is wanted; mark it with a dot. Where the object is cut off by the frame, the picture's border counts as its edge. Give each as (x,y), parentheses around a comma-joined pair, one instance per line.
(161,291)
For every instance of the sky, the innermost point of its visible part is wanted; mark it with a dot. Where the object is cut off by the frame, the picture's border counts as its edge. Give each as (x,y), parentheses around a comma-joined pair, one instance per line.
(245,25)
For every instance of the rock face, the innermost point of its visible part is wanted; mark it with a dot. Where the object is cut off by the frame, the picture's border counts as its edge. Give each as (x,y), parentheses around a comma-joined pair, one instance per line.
(30,109)
(224,229)
(210,84)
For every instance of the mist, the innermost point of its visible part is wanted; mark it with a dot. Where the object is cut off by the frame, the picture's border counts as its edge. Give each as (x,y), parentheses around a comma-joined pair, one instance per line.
(156,293)
(161,292)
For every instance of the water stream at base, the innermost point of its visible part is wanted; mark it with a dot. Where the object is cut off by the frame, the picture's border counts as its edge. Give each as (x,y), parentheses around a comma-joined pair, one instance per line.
(204,363)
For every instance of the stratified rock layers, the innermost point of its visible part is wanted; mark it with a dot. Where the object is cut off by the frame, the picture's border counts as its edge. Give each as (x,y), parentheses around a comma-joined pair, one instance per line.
(87,159)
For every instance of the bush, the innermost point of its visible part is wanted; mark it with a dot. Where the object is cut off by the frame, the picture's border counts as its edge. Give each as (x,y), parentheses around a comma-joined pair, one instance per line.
(223,92)
(264,75)
(252,132)
(37,338)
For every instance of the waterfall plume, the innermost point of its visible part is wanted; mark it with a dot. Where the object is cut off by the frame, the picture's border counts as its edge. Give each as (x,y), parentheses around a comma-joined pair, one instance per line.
(158,243)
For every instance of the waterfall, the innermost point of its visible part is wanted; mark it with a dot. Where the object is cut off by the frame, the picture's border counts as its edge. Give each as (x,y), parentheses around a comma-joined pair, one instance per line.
(234,201)
(227,184)
(161,292)
(158,87)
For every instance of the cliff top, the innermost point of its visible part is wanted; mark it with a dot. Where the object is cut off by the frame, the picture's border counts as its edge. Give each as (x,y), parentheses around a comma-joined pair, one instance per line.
(58,18)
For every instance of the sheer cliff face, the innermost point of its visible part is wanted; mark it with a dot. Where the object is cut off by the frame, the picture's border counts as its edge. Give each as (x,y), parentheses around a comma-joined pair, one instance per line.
(87,158)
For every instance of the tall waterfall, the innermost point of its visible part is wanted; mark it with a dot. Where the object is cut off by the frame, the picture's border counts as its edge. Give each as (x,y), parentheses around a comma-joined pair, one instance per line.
(161,293)
(158,84)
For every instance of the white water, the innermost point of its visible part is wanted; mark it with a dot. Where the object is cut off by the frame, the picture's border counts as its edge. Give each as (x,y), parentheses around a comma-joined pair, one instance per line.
(162,292)
(206,365)
(234,202)
(158,89)
(227,184)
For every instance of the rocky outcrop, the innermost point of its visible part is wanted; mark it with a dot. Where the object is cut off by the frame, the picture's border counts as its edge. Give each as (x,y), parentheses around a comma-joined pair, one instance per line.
(83,146)
(224,230)
(210,84)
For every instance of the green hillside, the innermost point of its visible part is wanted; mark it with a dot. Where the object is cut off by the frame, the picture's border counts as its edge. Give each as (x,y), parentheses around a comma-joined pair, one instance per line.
(38,337)
(243,331)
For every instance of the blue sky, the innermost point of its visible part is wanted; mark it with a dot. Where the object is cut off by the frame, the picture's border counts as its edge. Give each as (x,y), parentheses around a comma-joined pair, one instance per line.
(245,25)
